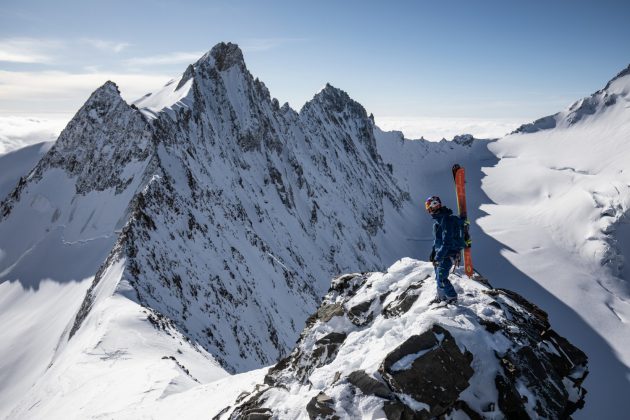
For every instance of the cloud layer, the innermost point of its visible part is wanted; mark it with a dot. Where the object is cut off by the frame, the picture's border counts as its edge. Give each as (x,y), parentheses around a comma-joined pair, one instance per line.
(17,132)
(437,128)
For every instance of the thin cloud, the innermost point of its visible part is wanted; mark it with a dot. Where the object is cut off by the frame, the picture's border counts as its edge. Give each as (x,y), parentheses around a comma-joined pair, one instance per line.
(66,92)
(104,45)
(27,50)
(164,59)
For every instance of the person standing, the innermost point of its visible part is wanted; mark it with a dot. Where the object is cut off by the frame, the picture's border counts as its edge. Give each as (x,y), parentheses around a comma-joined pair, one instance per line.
(448,243)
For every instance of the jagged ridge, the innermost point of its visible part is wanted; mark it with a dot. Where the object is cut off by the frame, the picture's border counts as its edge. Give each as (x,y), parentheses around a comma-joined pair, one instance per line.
(377,347)
(238,196)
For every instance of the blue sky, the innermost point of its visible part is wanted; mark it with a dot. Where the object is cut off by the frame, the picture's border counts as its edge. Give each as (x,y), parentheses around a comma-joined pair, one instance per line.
(442,60)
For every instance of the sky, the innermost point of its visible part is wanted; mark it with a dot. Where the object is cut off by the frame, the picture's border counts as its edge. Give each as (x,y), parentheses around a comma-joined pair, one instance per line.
(431,68)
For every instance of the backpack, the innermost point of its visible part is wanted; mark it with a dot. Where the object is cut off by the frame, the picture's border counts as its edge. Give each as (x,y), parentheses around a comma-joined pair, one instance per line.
(460,233)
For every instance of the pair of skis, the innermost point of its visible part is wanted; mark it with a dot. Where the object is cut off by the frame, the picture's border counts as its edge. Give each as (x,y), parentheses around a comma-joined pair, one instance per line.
(459,177)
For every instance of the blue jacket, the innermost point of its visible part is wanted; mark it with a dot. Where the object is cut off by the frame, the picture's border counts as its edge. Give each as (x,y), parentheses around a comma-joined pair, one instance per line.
(447,233)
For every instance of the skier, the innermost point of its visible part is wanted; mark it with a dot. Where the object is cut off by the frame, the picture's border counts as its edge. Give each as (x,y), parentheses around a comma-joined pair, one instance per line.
(447,245)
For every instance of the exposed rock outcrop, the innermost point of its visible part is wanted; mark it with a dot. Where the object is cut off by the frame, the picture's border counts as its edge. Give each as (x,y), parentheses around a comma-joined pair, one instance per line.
(493,354)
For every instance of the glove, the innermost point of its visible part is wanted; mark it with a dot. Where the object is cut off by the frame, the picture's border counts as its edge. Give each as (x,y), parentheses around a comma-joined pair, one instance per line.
(432,256)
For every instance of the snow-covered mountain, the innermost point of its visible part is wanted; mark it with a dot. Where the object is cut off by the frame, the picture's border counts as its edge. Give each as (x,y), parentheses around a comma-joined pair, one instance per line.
(204,210)
(161,246)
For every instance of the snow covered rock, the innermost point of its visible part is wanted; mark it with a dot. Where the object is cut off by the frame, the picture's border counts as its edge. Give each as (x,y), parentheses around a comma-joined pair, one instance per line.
(493,354)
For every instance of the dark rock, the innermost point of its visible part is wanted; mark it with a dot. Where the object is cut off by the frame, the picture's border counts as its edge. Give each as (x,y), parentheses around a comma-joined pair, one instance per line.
(492,327)
(321,406)
(573,356)
(464,139)
(437,376)
(403,302)
(257,414)
(510,402)
(188,74)
(328,312)
(463,406)
(252,409)
(359,314)
(227,55)
(334,338)
(399,307)
(368,385)
(395,410)
(532,309)
(327,348)
(274,371)
(348,282)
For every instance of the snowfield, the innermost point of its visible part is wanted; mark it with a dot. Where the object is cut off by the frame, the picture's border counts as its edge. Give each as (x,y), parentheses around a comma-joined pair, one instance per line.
(157,248)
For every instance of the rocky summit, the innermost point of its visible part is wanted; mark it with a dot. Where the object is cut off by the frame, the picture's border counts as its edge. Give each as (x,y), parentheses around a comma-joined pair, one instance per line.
(378,347)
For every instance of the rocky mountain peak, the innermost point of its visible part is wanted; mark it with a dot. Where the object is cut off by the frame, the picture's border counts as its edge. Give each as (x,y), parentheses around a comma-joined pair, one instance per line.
(336,100)
(492,355)
(335,103)
(623,73)
(188,74)
(464,139)
(108,88)
(227,55)
(102,100)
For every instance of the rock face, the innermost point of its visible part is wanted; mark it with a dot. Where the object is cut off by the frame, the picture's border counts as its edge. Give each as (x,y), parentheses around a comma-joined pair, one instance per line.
(245,215)
(429,368)
(493,354)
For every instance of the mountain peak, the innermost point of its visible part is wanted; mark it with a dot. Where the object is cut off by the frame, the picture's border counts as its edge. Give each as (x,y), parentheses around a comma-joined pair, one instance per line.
(622,73)
(108,89)
(227,55)
(336,100)
(332,91)
(101,102)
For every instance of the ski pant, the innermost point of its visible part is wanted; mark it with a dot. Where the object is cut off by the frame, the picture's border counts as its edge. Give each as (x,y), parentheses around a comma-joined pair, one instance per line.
(444,287)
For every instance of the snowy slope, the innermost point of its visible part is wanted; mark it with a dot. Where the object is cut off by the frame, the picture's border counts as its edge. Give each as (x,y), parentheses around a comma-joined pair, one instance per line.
(549,205)
(53,239)
(562,220)
(19,163)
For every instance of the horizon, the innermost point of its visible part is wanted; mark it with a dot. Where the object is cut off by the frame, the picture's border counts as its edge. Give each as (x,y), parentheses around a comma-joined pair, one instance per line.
(431,71)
